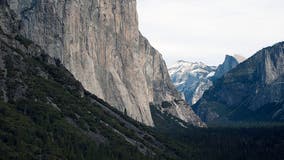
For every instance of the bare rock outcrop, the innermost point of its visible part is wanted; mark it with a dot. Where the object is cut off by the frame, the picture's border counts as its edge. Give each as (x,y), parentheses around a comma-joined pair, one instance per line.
(253,91)
(229,63)
(98,41)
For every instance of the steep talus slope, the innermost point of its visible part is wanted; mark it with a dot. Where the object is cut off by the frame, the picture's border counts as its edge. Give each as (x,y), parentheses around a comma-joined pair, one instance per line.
(191,79)
(98,41)
(253,91)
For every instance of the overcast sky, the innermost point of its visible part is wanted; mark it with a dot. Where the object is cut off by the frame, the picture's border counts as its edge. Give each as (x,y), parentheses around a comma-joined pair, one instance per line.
(207,30)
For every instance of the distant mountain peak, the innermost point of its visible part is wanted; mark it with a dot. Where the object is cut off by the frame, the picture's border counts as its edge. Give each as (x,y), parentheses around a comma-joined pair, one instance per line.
(229,63)
(194,78)
(188,62)
(239,58)
(182,61)
(191,78)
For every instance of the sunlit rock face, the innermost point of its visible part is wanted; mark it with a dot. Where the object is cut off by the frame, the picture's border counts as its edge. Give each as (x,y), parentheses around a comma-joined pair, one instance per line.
(98,41)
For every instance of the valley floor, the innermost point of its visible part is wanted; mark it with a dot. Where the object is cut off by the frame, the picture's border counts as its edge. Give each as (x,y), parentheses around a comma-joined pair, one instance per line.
(223,143)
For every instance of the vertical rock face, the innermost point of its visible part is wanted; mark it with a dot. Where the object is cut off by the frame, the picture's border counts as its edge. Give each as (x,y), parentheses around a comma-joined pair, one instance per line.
(99,42)
(230,63)
(191,79)
(253,91)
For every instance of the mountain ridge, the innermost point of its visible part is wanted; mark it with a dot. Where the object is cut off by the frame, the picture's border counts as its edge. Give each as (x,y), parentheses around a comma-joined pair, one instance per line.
(192,79)
(247,92)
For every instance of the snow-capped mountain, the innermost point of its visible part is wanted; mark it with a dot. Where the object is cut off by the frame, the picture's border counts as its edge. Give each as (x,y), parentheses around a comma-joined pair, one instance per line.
(191,79)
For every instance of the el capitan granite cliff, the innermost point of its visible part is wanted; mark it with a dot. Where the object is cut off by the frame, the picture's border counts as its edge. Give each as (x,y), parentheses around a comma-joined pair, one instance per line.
(98,41)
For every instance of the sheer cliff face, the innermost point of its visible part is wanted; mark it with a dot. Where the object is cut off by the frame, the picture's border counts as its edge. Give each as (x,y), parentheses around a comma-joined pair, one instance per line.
(99,42)
(230,63)
(253,91)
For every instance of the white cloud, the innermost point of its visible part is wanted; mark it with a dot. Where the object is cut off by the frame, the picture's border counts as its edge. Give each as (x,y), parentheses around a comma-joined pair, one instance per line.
(206,30)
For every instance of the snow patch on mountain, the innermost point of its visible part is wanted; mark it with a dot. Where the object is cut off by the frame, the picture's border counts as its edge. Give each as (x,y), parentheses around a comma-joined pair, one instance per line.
(192,79)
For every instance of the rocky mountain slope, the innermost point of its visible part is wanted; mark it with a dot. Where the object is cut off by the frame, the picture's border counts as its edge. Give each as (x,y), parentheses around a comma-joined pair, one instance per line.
(191,79)
(230,63)
(46,114)
(253,91)
(98,41)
